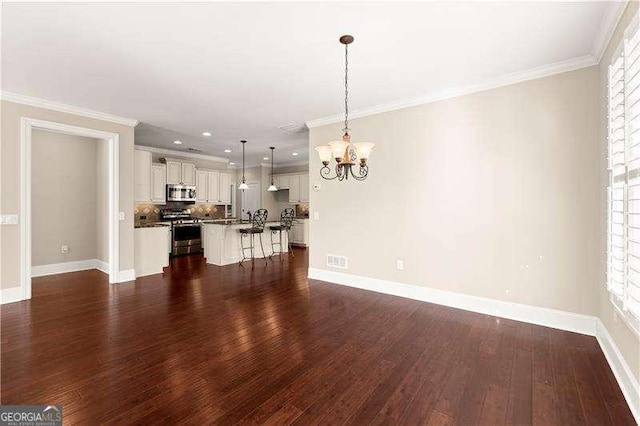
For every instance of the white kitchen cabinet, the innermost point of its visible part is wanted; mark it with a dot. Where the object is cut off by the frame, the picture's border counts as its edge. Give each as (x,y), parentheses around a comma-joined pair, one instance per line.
(180,173)
(213,187)
(158,183)
(202,177)
(142,175)
(298,185)
(225,188)
(188,173)
(294,188)
(304,187)
(300,232)
(283,182)
(174,172)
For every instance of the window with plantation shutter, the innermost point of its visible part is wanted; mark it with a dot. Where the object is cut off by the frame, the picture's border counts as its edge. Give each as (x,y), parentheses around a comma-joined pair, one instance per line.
(623,192)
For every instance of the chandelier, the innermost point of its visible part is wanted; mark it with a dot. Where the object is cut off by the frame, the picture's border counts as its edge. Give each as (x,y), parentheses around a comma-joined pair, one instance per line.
(351,159)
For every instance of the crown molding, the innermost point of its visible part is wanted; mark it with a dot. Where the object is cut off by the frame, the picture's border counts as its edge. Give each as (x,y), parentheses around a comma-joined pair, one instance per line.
(69,109)
(186,154)
(607,28)
(506,80)
(292,163)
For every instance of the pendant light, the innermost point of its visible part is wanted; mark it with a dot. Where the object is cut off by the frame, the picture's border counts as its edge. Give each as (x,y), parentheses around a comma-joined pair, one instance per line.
(243,185)
(343,151)
(272,187)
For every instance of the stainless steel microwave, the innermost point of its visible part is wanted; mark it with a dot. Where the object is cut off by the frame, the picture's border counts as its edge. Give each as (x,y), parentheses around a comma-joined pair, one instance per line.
(181,193)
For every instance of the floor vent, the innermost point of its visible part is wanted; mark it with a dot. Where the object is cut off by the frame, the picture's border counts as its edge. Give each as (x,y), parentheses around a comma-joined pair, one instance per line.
(340,262)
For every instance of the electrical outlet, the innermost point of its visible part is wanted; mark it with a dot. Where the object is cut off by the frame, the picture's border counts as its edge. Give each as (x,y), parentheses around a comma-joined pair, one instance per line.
(399,264)
(316,215)
(64,249)
(121,216)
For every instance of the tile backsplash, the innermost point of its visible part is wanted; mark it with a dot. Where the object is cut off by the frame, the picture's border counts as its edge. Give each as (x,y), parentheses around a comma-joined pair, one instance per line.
(302,210)
(147,212)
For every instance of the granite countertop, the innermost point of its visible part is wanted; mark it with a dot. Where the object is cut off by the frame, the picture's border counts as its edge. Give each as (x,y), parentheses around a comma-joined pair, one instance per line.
(151,225)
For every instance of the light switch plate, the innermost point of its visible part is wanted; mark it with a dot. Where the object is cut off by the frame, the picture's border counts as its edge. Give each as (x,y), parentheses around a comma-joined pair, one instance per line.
(316,215)
(121,216)
(9,219)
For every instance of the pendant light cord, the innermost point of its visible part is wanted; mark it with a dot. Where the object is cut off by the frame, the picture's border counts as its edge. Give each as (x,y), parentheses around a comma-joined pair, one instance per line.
(243,144)
(346,88)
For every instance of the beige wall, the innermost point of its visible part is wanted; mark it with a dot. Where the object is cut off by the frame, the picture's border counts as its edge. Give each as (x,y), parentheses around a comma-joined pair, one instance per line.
(628,342)
(10,189)
(495,194)
(59,163)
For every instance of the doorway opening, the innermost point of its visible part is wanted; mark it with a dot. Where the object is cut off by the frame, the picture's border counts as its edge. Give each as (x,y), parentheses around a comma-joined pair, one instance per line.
(109,240)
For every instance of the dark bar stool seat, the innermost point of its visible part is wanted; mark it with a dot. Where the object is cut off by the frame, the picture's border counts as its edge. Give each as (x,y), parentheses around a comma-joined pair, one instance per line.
(258,220)
(286,221)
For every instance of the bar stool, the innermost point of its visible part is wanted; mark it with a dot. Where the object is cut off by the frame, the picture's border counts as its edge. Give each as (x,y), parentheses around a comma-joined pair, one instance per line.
(286,221)
(258,220)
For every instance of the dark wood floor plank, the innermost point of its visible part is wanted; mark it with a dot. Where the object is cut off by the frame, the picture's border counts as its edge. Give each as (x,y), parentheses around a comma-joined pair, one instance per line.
(201,344)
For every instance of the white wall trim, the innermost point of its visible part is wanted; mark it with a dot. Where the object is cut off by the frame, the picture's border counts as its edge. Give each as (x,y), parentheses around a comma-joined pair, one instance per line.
(578,323)
(127,275)
(621,370)
(185,154)
(506,80)
(101,265)
(607,28)
(113,139)
(11,295)
(69,109)
(63,268)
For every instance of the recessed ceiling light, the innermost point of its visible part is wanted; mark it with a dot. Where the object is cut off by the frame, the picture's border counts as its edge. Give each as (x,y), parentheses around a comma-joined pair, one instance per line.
(227,151)
(295,154)
(265,158)
(232,164)
(177,142)
(206,133)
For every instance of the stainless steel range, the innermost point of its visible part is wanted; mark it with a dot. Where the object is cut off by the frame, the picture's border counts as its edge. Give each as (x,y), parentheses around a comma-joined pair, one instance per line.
(186,231)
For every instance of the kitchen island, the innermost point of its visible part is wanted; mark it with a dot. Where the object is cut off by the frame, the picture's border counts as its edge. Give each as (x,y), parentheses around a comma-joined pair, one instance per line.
(221,241)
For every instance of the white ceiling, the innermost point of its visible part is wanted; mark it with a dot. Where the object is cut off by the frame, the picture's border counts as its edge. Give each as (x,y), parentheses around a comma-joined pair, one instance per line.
(242,70)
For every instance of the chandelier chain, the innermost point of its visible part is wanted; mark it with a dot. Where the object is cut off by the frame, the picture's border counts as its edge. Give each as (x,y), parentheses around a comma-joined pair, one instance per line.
(346,88)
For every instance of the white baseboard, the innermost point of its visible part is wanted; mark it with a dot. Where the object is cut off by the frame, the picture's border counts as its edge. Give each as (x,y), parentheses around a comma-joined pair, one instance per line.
(10,295)
(102,266)
(621,370)
(126,275)
(61,268)
(578,323)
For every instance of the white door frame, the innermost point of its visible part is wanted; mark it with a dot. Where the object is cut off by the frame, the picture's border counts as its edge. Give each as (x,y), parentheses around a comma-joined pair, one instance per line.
(27,126)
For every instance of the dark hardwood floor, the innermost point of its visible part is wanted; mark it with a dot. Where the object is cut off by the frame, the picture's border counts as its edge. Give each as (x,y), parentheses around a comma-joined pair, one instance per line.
(204,344)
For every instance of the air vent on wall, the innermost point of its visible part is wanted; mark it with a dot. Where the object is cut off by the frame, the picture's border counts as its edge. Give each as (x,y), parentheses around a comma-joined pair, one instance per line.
(340,262)
(293,128)
(194,150)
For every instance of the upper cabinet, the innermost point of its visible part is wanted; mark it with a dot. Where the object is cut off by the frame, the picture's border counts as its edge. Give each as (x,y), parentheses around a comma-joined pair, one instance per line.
(201,186)
(213,187)
(297,184)
(142,176)
(294,188)
(180,173)
(158,183)
(188,173)
(304,188)
(225,188)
